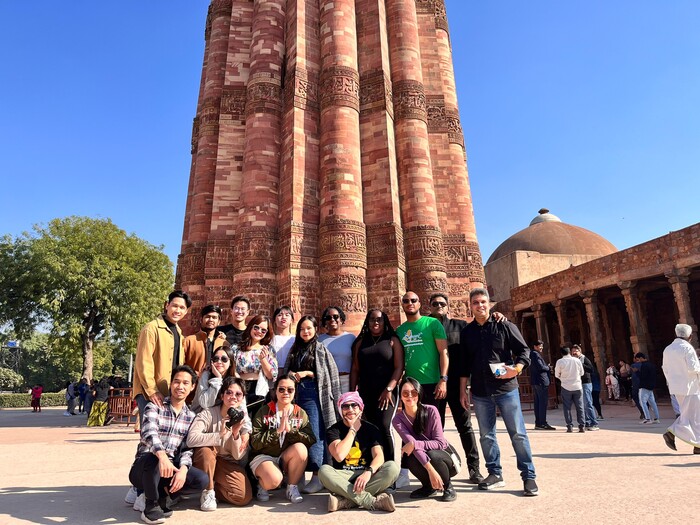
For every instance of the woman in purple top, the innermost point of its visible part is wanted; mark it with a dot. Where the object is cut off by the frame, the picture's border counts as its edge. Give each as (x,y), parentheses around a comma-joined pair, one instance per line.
(424,448)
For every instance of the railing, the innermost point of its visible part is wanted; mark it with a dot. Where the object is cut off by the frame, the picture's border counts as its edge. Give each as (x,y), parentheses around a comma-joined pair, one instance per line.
(120,405)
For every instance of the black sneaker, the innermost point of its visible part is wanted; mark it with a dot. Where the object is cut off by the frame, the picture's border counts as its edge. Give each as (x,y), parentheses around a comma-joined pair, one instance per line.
(569,428)
(475,477)
(530,488)
(492,481)
(581,428)
(540,427)
(423,492)
(167,511)
(152,513)
(549,427)
(449,493)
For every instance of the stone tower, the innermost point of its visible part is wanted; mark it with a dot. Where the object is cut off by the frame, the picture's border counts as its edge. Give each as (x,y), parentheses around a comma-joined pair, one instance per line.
(328,161)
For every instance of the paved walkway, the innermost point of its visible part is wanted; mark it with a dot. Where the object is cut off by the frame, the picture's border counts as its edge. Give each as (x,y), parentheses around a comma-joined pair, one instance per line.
(56,470)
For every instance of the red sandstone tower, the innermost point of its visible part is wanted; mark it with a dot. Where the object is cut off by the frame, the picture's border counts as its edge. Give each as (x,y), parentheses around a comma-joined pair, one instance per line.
(328,161)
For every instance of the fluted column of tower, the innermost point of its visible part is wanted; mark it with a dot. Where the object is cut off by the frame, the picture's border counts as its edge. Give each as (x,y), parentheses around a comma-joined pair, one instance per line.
(342,239)
(386,265)
(298,279)
(256,239)
(423,240)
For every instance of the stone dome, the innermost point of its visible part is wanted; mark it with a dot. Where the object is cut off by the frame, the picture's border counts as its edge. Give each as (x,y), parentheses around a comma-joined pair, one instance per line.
(547,234)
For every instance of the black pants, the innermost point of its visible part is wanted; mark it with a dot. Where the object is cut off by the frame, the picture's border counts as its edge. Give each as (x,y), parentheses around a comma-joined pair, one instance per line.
(463,422)
(596,402)
(541,395)
(439,459)
(381,418)
(145,476)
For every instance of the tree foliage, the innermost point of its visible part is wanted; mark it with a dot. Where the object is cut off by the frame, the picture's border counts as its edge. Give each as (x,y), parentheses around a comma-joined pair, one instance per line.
(84,280)
(9,379)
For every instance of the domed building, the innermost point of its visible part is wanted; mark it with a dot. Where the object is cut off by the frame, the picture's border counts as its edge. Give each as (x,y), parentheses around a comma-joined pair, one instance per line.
(546,246)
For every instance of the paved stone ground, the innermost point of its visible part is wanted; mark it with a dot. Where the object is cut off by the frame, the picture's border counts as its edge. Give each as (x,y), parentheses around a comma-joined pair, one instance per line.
(56,470)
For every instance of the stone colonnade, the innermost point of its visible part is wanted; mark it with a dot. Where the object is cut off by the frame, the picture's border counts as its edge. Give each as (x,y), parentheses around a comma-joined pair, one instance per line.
(328,161)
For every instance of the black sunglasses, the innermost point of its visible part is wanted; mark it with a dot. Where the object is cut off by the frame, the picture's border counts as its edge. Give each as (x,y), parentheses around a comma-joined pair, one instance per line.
(438,304)
(219,358)
(335,317)
(411,300)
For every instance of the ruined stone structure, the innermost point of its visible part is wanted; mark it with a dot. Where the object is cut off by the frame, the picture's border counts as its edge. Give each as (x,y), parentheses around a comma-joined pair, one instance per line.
(328,161)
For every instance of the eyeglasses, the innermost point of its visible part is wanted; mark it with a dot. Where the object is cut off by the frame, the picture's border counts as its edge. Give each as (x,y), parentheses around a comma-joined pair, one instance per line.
(240,308)
(349,406)
(335,317)
(263,331)
(237,395)
(438,304)
(413,300)
(283,390)
(409,393)
(221,358)
(375,320)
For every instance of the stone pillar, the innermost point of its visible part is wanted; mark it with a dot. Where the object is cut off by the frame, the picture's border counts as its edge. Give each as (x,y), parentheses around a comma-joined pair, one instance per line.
(342,236)
(590,300)
(542,333)
(425,255)
(678,278)
(560,307)
(609,339)
(257,235)
(630,292)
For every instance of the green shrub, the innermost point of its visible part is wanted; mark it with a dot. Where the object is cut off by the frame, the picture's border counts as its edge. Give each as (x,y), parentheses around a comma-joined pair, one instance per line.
(54,399)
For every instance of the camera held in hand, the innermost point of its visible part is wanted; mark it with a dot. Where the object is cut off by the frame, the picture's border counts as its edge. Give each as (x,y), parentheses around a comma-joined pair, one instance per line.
(234,416)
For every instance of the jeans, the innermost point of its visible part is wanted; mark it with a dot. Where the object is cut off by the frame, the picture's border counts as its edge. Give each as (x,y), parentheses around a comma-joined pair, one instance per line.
(588,410)
(509,406)
(307,398)
(575,397)
(647,397)
(141,402)
(541,397)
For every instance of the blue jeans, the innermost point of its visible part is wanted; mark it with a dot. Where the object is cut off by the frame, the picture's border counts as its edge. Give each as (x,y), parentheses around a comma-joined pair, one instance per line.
(647,397)
(541,394)
(588,409)
(307,398)
(575,397)
(509,406)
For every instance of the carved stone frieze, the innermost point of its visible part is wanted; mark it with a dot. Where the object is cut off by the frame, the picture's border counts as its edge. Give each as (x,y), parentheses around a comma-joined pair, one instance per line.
(195,135)
(233,102)
(385,246)
(342,280)
(301,89)
(342,243)
(220,8)
(256,249)
(441,15)
(425,7)
(463,257)
(424,249)
(376,92)
(340,86)
(454,127)
(409,100)
(263,95)
(437,118)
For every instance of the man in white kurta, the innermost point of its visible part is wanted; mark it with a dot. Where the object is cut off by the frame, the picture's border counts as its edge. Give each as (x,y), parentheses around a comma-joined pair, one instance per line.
(682,370)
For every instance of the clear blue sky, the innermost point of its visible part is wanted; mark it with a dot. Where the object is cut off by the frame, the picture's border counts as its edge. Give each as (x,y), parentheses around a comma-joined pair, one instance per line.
(590,108)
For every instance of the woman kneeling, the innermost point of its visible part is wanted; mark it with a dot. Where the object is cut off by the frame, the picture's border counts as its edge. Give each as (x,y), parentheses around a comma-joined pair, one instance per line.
(280,441)
(220,436)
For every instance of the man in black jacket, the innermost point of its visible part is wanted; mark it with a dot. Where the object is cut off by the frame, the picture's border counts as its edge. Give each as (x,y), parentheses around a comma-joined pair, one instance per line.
(586,379)
(540,380)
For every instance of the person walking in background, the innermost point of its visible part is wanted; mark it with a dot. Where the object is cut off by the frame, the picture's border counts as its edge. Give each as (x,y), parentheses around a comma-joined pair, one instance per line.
(647,383)
(612,383)
(587,384)
(70,399)
(540,380)
(569,371)
(36,392)
(625,380)
(83,388)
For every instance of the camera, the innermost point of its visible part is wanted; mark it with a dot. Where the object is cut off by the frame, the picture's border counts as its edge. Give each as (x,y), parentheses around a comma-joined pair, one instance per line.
(234,416)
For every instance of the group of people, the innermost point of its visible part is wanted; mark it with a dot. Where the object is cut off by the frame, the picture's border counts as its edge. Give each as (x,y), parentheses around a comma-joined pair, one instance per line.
(266,405)
(87,397)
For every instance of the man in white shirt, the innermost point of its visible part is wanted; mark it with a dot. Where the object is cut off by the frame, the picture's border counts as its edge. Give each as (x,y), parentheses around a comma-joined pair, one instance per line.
(569,371)
(682,370)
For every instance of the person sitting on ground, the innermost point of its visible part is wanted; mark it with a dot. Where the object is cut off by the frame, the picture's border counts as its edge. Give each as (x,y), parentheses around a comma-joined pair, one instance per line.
(163,466)
(425,445)
(220,437)
(280,441)
(359,475)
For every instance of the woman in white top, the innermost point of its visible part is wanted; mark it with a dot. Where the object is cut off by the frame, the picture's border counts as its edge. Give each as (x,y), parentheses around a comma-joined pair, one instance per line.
(283,320)
(339,343)
(212,376)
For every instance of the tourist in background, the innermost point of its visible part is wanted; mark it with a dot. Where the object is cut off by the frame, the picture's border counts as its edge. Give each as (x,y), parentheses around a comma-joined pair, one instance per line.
(339,343)
(587,384)
(36,392)
(99,413)
(70,399)
(647,384)
(569,370)
(540,379)
(612,384)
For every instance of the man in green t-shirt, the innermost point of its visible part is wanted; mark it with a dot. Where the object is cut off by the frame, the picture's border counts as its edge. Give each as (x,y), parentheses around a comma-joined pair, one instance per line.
(425,351)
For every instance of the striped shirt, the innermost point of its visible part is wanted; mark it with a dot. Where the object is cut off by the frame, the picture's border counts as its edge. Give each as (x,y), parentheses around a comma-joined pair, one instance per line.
(163,429)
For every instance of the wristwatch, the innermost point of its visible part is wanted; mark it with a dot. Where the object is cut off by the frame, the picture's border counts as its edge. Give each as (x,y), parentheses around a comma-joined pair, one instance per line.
(389,389)
(444,378)
(370,469)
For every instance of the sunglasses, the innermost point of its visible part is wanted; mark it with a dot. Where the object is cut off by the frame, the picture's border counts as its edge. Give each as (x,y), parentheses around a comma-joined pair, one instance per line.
(413,300)
(409,393)
(349,406)
(219,358)
(263,331)
(373,320)
(237,395)
(283,390)
(438,304)
(335,317)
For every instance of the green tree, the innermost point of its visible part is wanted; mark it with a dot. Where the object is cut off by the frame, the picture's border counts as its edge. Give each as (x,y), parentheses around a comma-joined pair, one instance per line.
(82,279)
(9,379)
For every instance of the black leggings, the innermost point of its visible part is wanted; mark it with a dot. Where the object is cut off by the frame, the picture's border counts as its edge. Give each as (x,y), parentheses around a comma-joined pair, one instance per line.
(439,459)
(380,418)
(145,475)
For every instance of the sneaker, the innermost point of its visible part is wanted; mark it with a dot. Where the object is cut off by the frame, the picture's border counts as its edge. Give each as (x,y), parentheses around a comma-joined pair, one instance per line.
(656,422)
(262,495)
(423,492)
(131,496)
(539,427)
(207,501)
(530,488)
(492,481)
(601,418)
(152,513)
(475,477)
(384,502)
(449,494)
(167,511)
(66,413)
(670,440)
(403,480)
(293,494)
(569,428)
(547,426)
(339,503)
(140,502)
(645,421)
(581,428)
(314,485)
(593,428)
(696,450)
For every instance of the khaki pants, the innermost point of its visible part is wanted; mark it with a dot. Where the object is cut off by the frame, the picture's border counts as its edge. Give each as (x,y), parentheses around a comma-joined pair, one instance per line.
(226,477)
(341,482)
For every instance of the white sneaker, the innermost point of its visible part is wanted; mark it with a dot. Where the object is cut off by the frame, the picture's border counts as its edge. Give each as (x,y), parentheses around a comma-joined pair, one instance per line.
(403,481)
(207,501)
(293,494)
(656,422)
(131,496)
(140,503)
(262,495)
(313,486)
(66,413)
